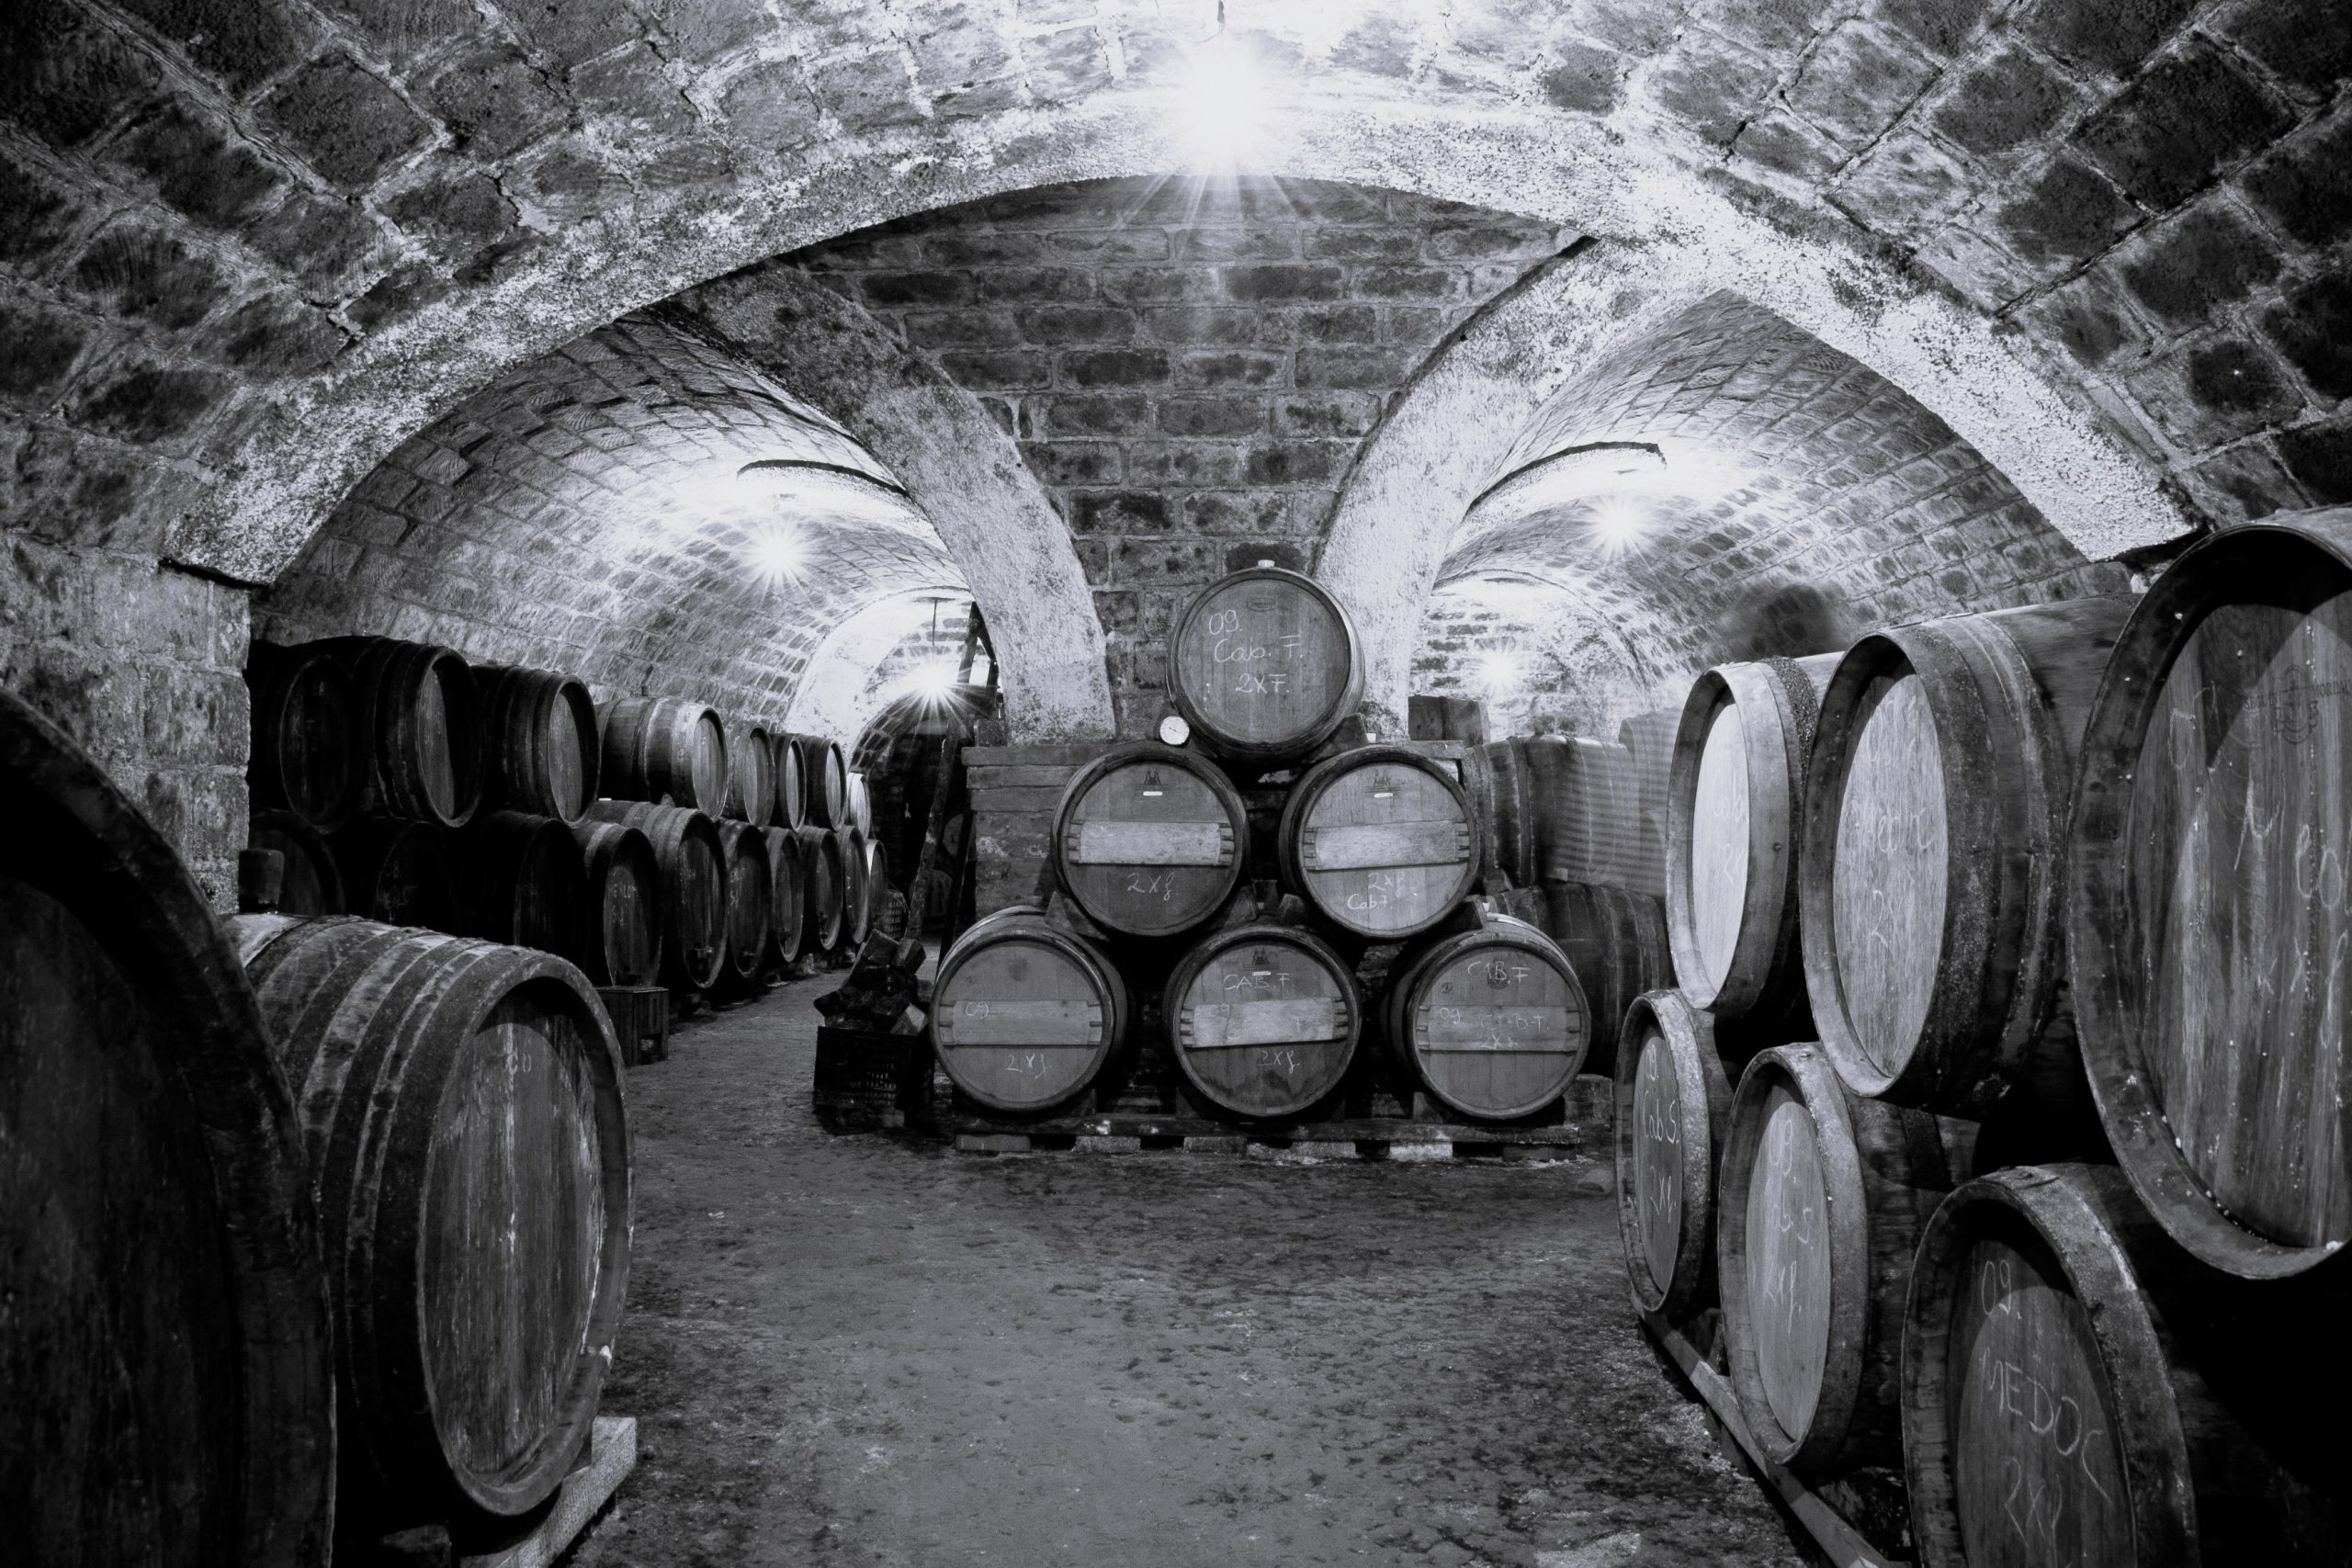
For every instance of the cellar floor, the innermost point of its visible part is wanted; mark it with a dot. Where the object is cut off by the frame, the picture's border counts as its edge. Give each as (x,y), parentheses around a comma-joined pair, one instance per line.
(871,1351)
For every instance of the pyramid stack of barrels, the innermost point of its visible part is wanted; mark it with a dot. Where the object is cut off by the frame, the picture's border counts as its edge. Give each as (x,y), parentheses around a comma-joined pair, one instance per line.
(1992,1131)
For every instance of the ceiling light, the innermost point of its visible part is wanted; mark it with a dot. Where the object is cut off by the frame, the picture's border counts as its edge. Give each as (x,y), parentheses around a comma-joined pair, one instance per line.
(1221,103)
(1500,669)
(778,553)
(1618,526)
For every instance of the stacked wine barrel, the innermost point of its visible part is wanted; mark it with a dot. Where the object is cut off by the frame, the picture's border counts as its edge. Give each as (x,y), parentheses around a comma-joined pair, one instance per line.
(1998,1110)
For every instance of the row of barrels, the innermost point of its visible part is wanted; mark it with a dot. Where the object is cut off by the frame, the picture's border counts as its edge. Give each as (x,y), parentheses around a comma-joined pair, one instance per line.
(1574,809)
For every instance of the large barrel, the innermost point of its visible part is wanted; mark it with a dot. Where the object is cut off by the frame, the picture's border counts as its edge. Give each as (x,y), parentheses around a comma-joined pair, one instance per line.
(541,752)
(166,1374)
(693,887)
(395,873)
(621,936)
(2210,919)
(858,801)
(751,934)
(1150,840)
(791,780)
(787,894)
(824,883)
(2077,1389)
(857,897)
(884,911)
(419,726)
(1615,942)
(1262,1017)
(1487,1020)
(461,1104)
(665,748)
(824,782)
(1821,1199)
(306,755)
(520,883)
(1264,665)
(1735,805)
(1600,814)
(1380,841)
(1929,882)
(1495,778)
(312,885)
(1673,1101)
(1024,1015)
(750,774)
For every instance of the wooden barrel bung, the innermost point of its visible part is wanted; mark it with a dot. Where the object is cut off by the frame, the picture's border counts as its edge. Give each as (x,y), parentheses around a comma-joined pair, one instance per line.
(1495,778)
(693,887)
(1735,805)
(750,887)
(791,780)
(2210,920)
(665,748)
(2076,1389)
(1489,1020)
(825,883)
(787,894)
(1150,840)
(1380,841)
(461,1106)
(311,884)
(824,782)
(1598,814)
(520,882)
(1262,1017)
(166,1376)
(622,942)
(419,724)
(1673,1101)
(1821,1199)
(1615,942)
(540,751)
(1024,1014)
(750,774)
(395,873)
(306,752)
(1264,665)
(1930,881)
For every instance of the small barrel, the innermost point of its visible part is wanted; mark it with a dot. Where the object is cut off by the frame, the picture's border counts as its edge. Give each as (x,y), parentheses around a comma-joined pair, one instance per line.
(397,873)
(1150,840)
(461,1106)
(665,748)
(1264,666)
(791,780)
(693,887)
(520,883)
(1929,887)
(1673,1100)
(1821,1198)
(1735,805)
(311,884)
(419,726)
(540,753)
(787,894)
(306,754)
(750,774)
(857,912)
(2210,919)
(1263,1019)
(1600,814)
(1615,942)
(1380,841)
(824,881)
(621,942)
(1495,778)
(824,782)
(750,887)
(1489,1022)
(1024,1015)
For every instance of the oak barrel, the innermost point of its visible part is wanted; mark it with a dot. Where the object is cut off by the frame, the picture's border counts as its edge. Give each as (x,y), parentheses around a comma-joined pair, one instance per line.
(1599,814)
(166,1376)
(520,883)
(461,1105)
(750,774)
(2210,920)
(1615,942)
(1380,841)
(665,748)
(1487,1020)
(1150,840)
(1673,1101)
(1820,1200)
(306,754)
(540,751)
(750,886)
(787,894)
(1264,665)
(693,887)
(856,913)
(419,728)
(397,873)
(824,882)
(1262,1019)
(621,936)
(1024,1014)
(859,802)
(884,910)
(2077,1389)
(791,780)
(1735,807)
(312,885)
(1929,885)
(1495,778)
(824,782)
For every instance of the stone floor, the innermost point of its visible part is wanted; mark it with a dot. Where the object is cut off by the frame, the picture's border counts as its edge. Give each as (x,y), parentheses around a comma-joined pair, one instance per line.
(867,1350)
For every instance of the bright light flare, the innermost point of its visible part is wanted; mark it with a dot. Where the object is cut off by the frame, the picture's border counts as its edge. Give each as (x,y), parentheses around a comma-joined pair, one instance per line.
(932,682)
(1618,526)
(779,554)
(1501,670)
(1222,104)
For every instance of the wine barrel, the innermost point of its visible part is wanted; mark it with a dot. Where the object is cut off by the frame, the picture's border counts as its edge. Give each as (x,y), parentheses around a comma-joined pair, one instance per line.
(1488,1021)
(1599,814)
(621,942)
(167,1376)
(2211,916)
(306,755)
(395,873)
(1263,1019)
(750,930)
(859,802)
(884,911)
(1736,804)
(824,782)
(1615,942)
(787,894)
(1380,841)
(1673,1099)
(750,774)
(693,887)
(1265,667)
(1024,1015)
(312,885)
(1928,886)
(1495,778)
(857,905)
(2077,1389)
(1150,840)
(1821,1198)
(520,883)
(825,881)
(665,748)
(791,780)
(461,1106)
(540,751)
(419,726)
